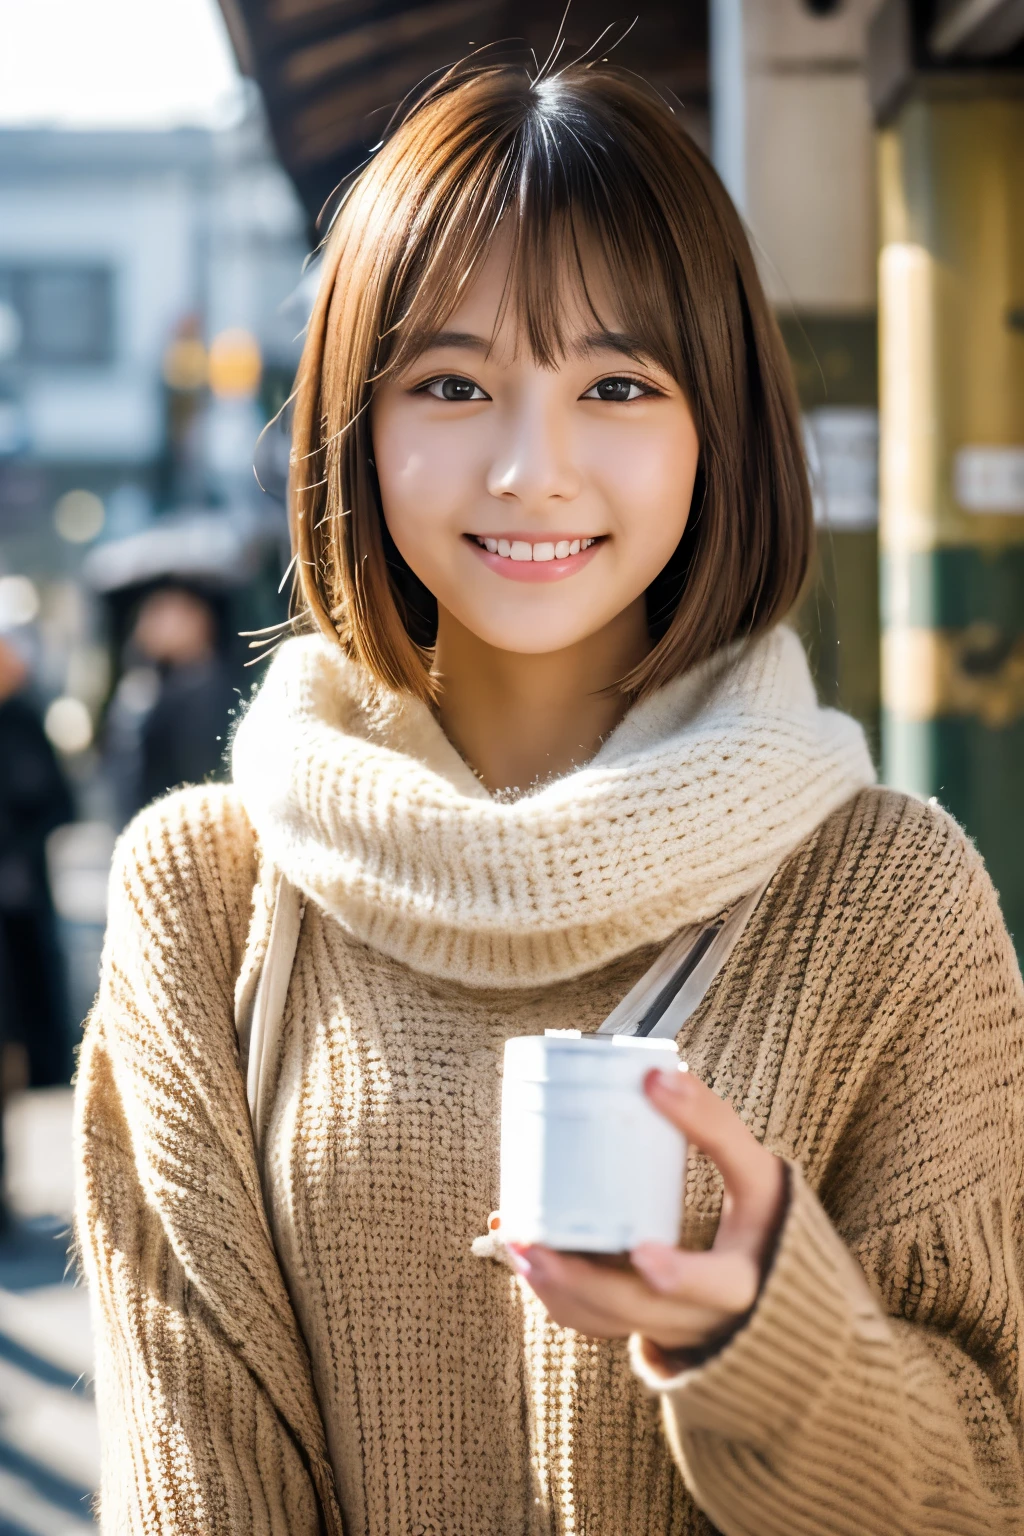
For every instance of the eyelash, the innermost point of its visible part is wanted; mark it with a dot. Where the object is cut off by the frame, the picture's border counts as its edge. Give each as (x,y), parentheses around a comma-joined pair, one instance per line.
(648,390)
(424,388)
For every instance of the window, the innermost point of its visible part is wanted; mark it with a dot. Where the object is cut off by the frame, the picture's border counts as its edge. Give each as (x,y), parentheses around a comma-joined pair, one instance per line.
(59,313)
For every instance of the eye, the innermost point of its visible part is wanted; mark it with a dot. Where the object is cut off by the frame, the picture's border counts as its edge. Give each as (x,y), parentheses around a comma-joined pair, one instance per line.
(618,390)
(451,386)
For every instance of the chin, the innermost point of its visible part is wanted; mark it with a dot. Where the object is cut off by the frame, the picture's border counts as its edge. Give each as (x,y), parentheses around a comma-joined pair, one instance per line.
(526,637)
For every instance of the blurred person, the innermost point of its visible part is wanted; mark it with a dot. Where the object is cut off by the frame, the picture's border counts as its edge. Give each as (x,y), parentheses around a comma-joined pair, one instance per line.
(169,716)
(550,511)
(34,799)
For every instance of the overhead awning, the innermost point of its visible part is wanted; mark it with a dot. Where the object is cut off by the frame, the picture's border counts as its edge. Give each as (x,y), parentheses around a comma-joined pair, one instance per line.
(976,29)
(913,40)
(332,72)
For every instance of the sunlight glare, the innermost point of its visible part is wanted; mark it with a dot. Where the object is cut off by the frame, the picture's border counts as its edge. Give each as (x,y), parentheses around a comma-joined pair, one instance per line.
(116,64)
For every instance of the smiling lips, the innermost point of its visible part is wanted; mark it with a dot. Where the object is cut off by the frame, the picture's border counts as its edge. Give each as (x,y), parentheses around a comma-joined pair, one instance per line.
(522,559)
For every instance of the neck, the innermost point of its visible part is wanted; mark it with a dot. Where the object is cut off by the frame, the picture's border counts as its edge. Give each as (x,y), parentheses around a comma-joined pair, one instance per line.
(520,720)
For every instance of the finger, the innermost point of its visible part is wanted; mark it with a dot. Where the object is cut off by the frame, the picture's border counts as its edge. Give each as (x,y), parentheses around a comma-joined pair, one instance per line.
(566,1304)
(695,1301)
(608,1293)
(712,1281)
(711,1124)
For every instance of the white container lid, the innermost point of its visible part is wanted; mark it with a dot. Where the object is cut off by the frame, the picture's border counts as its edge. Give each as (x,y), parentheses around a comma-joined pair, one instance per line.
(562,1054)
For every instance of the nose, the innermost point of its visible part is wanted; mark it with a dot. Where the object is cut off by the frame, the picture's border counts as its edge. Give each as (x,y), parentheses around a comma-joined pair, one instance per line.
(534,462)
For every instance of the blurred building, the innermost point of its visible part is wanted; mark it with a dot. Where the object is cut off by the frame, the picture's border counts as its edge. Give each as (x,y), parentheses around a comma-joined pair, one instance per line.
(123,256)
(151,305)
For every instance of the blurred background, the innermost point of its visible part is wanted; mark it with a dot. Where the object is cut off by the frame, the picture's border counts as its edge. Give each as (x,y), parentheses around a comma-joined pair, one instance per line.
(162,167)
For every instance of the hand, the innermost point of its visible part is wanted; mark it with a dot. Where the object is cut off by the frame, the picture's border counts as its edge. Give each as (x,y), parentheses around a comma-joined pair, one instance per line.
(674,1298)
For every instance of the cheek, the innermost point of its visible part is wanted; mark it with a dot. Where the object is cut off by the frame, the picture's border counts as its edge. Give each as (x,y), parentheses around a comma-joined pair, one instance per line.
(424,473)
(406,473)
(427,483)
(649,479)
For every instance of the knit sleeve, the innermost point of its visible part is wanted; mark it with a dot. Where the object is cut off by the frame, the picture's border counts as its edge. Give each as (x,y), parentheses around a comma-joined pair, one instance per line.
(207,1417)
(876,1386)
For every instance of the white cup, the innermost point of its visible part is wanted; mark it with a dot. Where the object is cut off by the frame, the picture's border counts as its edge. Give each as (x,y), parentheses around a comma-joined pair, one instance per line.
(587,1162)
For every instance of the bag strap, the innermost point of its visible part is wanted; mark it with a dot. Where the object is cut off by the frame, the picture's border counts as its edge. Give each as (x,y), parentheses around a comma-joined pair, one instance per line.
(259,1024)
(671,990)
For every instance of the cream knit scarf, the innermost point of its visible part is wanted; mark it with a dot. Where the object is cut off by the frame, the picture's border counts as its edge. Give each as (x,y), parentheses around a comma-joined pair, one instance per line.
(691,802)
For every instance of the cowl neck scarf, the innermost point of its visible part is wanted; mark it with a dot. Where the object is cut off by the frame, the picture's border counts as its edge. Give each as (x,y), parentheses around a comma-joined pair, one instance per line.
(700,792)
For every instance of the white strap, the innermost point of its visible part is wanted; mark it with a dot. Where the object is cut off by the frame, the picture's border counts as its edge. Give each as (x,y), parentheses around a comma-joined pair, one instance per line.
(259,1038)
(684,971)
(624,1019)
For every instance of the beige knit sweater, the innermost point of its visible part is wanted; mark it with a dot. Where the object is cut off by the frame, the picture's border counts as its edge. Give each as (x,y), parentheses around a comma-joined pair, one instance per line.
(309,1345)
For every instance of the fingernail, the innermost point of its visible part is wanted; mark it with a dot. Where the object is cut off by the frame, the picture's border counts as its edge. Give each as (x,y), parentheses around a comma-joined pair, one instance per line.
(536,1260)
(518,1260)
(528,1259)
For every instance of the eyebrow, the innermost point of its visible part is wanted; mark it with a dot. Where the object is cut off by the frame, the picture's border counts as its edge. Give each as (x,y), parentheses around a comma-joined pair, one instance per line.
(593,341)
(464,340)
(612,341)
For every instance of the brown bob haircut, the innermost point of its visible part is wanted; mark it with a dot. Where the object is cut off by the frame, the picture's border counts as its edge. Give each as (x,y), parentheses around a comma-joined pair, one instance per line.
(589,155)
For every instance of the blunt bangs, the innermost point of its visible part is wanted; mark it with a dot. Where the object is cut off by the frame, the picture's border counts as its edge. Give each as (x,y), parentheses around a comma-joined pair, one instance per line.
(565,204)
(586,167)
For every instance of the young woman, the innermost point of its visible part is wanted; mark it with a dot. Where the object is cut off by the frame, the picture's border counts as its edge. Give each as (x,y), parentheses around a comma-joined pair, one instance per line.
(549,508)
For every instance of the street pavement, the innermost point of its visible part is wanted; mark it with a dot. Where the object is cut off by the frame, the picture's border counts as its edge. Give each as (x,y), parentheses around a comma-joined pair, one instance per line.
(49,1446)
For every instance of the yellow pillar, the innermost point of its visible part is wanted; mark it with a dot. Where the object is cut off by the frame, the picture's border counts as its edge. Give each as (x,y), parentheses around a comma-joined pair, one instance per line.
(951,317)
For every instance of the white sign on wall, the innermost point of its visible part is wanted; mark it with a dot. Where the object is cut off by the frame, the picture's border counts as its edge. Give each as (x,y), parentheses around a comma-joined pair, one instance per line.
(987,479)
(842,457)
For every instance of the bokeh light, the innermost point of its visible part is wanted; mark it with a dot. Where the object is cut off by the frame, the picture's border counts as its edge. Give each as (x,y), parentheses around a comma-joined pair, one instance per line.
(79,516)
(184,364)
(235,364)
(68,724)
(19,601)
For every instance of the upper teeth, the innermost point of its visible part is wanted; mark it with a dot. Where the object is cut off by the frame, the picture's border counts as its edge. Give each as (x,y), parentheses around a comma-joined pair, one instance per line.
(519,549)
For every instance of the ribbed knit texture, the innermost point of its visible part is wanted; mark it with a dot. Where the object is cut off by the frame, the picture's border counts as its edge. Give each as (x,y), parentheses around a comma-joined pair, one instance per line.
(348,1364)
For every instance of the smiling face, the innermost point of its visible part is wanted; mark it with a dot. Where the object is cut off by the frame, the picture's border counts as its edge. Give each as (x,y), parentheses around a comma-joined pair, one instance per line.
(492,173)
(536,503)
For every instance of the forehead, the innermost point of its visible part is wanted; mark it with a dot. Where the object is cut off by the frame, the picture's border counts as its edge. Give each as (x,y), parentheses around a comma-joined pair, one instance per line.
(496,299)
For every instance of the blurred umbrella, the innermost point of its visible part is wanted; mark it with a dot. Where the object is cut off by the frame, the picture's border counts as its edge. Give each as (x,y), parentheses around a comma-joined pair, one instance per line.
(209,549)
